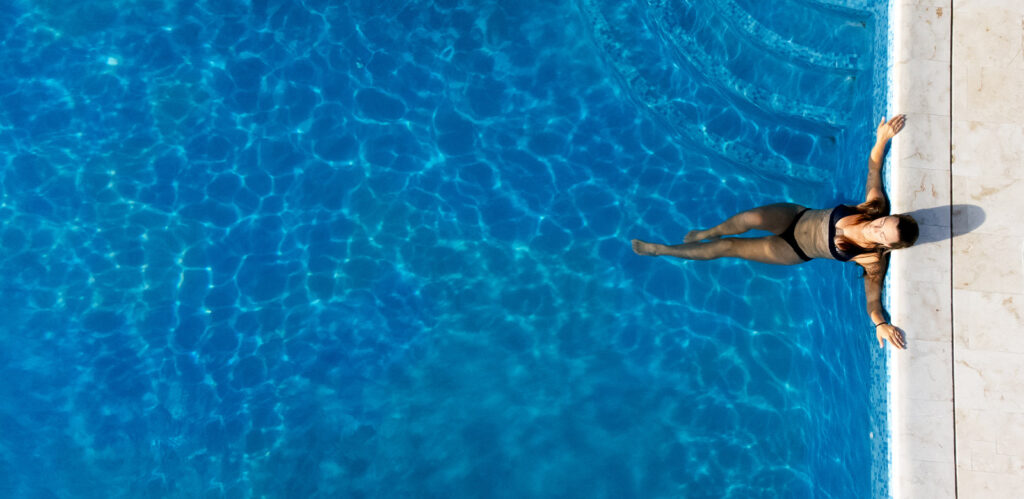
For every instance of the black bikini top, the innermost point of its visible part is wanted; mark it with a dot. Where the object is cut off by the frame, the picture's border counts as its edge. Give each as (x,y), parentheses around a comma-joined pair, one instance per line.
(838,213)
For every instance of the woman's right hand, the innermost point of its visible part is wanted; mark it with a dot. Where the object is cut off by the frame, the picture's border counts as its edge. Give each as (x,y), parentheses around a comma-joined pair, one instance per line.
(888,130)
(891,333)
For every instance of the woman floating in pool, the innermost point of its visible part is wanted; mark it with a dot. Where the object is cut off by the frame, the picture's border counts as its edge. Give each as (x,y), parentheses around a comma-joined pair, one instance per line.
(864,233)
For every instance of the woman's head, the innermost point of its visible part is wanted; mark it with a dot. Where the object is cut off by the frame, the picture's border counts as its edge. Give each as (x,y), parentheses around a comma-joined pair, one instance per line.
(892,232)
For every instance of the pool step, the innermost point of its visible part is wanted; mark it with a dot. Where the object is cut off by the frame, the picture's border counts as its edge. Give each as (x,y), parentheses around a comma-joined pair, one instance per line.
(694,46)
(756,33)
(847,8)
(752,127)
(827,27)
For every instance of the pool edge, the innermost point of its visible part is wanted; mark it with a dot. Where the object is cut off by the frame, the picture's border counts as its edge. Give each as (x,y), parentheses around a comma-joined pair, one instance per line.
(919,289)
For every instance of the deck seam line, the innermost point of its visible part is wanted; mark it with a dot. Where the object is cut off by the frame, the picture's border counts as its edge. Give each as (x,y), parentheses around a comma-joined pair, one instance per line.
(952,309)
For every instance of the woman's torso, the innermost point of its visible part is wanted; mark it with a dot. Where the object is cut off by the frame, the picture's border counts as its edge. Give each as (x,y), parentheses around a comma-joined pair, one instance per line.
(811,233)
(815,232)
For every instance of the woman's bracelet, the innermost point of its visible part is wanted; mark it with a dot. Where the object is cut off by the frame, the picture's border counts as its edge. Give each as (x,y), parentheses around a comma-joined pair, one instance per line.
(880,324)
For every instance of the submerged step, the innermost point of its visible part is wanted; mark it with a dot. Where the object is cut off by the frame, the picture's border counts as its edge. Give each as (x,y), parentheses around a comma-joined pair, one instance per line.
(710,108)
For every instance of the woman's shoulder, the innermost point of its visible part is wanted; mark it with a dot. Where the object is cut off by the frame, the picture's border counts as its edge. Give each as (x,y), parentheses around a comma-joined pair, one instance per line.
(866,258)
(873,263)
(845,210)
(874,208)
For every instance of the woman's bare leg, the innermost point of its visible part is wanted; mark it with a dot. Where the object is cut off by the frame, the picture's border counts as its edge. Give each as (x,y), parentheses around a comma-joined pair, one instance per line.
(771,249)
(774,218)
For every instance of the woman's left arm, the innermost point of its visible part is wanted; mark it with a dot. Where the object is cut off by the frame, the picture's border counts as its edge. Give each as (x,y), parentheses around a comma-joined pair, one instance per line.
(875,275)
(885,132)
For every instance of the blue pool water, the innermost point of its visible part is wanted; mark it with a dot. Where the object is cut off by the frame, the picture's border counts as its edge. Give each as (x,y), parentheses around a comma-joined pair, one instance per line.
(379,248)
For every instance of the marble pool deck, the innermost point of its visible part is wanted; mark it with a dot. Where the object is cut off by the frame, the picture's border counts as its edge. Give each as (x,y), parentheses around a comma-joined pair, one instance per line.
(957,392)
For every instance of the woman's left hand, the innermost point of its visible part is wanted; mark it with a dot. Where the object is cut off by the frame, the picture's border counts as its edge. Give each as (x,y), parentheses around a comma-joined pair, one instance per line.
(892,333)
(888,130)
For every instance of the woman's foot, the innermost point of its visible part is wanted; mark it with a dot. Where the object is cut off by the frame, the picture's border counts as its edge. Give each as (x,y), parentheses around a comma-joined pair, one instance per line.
(642,248)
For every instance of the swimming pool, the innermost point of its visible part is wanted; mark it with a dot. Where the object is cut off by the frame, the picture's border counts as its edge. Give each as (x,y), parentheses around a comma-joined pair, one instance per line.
(297,249)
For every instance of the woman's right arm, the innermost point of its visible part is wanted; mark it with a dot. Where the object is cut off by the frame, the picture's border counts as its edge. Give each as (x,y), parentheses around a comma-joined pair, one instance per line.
(873,279)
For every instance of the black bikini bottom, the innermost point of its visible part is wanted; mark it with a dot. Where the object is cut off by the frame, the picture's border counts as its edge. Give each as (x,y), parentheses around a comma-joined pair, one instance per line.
(787,236)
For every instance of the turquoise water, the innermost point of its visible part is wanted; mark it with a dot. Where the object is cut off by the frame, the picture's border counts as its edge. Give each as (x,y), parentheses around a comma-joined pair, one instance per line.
(381,249)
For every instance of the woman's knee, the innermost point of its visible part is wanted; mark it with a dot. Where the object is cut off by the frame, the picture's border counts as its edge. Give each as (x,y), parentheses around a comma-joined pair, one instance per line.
(775,218)
(752,219)
(726,247)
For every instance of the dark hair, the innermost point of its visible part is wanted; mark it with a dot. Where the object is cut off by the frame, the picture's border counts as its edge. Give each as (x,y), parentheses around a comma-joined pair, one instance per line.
(908,229)
(873,210)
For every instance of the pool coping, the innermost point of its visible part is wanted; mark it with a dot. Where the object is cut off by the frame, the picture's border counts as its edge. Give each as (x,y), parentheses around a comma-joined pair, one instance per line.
(920,284)
(919,288)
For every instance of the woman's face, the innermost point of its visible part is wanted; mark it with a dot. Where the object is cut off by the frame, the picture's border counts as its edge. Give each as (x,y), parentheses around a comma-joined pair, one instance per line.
(883,231)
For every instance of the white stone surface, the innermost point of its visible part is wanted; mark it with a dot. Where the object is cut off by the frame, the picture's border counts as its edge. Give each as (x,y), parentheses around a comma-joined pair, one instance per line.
(928,307)
(991,94)
(988,33)
(988,262)
(924,479)
(927,147)
(927,27)
(993,149)
(925,261)
(987,143)
(920,281)
(989,321)
(1001,193)
(928,89)
(991,381)
(927,191)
